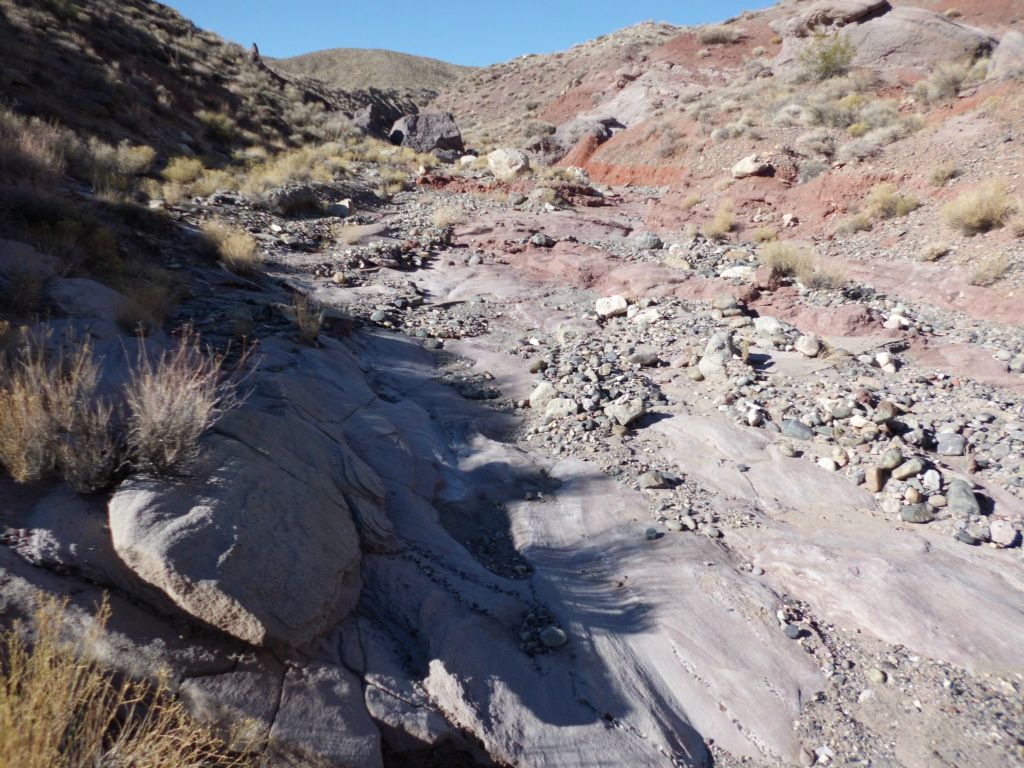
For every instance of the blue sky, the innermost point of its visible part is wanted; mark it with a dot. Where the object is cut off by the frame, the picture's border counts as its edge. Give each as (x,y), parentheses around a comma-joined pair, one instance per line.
(460,31)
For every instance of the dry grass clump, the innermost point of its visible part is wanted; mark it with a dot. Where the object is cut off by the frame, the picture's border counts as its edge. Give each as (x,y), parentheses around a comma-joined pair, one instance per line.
(942,173)
(986,207)
(935,251)
(722,223)
(786,258)
(447,216)
(691,201)
(60,710)
(309,317)
(348,234)
(884,201)
(51,420)
(764,235)
(147,304)
(172,403)
(859,222)
(235,247)
(33,153)
(717,36)
(819,278)
(794,260)
(990,270)
(949,79)
(182,170)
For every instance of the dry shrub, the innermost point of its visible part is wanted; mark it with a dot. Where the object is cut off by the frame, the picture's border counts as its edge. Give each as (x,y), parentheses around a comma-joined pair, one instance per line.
(988,206)
(819,278)
(172,403)
(50,417)
(717,36)
(691,201)
(447,216)
(60,710)
(786,258)
(943,173)
(935,251)
(183,170)
(348,234)
(764,235)
(321,163)
(860,222)
(885,202)
(32,152)
(235,247)
(146,305)
(990,270)
(309,317)
(722,223)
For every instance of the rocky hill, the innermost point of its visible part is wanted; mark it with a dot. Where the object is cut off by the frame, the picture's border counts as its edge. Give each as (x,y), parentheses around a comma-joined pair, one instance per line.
(412,78)
(661,406)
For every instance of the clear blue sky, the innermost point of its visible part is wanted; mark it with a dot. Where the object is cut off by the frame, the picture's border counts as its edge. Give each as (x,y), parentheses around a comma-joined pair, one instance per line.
(460,31)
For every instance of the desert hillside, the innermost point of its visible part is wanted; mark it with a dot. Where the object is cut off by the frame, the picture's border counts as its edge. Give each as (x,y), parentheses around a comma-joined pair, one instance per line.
(658,402)
(352,69)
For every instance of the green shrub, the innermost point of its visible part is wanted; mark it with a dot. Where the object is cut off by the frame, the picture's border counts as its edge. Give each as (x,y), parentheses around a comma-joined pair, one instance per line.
(827,57)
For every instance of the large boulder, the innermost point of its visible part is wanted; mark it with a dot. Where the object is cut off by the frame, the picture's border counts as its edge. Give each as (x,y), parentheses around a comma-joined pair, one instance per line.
(1008,60)
(508,164)
(376,119)
(827,14)
(428,132)
(260,541)
(719,351)
(914,37)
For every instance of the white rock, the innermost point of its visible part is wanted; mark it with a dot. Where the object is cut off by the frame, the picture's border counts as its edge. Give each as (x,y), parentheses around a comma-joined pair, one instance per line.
(508,164)
(808,345)
(751,165)
(543,394)
(1003,533)
(611,306)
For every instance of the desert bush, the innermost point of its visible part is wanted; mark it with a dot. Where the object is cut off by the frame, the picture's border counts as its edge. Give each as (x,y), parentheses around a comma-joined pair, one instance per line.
(987,206)
(212,180)
(934,251)
(811,169)
(785,258)
(943,173)
(218,128)
(173,402)
(717,36)
(309,317)
(820,278)
(885,202)
(944,83)
(819,141)
(859,222)
(60,710)
(722,223)
(827,57)
(990,270)
(446,216)
(50,417)
(348,234)
(764,235)
(33,153)
(147,304)
(235,247)
(182,170)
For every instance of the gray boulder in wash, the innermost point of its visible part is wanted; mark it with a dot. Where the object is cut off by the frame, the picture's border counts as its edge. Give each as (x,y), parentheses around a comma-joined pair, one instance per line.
(428,132)
(261,540)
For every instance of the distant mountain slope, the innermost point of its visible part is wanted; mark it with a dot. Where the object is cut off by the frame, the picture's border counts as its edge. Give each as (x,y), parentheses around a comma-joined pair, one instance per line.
(356,69)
